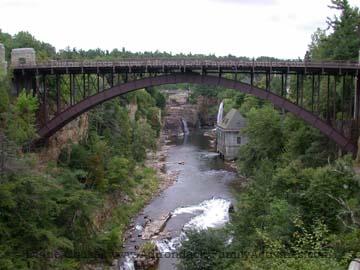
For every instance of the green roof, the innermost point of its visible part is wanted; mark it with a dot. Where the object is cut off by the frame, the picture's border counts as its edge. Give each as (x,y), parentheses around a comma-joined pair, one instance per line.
(233,120)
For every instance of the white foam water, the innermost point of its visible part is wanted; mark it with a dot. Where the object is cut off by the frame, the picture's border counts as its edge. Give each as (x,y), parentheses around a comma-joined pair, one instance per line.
(220,113)
(128,264)
(209,155)
(354,265)
(167,246)
(185,126)
(213,213)
(138,227)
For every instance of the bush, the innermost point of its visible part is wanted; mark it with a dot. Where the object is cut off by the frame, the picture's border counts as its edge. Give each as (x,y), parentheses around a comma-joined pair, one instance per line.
(203,250)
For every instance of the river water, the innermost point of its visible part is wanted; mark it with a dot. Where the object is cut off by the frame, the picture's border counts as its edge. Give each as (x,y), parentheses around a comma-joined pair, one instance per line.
(199,199)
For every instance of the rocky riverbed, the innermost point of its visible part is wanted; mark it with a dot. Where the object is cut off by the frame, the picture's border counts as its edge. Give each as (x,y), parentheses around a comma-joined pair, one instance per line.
(195,194)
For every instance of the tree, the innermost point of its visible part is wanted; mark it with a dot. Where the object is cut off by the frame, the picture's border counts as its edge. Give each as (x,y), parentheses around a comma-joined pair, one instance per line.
(344,41)
(119,172)
(4,99)
(264,131)
(143,138)
(202,250)
(21,124)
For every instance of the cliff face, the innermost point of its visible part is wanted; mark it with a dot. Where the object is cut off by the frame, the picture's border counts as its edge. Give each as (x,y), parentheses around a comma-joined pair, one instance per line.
(206,117)
(178,108)
(132,107)
(73,132)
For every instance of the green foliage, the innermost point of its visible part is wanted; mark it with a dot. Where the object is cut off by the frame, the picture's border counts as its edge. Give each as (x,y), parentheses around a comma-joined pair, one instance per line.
(264,130)
(202,250)
(148,249)
(250,102)
(204,90)
(47,214)
(143,138)
(4,101)
(288,264)
(305,143)
(282,138)
(41,215)
(26,40)
(118,173)
(21,119)
(299,205)
(4,98)
(160,100)
(343,42)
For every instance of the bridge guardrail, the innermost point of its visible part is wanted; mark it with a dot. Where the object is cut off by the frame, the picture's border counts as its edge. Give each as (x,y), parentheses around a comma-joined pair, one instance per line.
(185,63)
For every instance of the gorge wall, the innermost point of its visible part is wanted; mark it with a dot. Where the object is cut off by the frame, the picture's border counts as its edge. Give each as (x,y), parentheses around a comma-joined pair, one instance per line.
(179,108)
(73,132)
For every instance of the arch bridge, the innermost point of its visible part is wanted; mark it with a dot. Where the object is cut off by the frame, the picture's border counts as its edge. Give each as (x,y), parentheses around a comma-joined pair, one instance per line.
(324,94)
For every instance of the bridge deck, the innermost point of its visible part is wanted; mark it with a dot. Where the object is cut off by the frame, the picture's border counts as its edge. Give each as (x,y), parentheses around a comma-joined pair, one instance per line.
(175,65)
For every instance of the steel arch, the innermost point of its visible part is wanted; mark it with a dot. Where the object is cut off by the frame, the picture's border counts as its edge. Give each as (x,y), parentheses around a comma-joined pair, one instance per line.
(90,102)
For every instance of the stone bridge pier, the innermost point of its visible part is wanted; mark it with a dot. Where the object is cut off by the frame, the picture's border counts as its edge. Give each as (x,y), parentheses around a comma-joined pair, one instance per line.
(23,56)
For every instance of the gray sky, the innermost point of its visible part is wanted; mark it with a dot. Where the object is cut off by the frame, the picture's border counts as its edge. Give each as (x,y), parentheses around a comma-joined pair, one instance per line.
(278,28)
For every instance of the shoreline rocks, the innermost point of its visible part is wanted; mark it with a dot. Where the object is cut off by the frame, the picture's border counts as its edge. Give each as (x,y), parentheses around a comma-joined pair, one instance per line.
(155,227)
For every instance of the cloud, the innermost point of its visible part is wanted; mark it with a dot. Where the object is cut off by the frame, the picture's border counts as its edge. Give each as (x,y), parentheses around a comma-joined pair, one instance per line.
(249,2)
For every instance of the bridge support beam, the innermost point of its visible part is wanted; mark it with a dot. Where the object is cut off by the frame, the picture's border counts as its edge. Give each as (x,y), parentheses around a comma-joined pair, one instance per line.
(72,112)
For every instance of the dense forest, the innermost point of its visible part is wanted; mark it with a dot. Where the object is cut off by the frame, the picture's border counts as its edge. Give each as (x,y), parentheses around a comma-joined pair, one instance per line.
(299,209)
(51,211)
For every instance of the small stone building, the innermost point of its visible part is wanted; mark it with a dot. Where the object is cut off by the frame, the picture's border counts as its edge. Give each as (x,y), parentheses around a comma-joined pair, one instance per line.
(23,56)
(228,135)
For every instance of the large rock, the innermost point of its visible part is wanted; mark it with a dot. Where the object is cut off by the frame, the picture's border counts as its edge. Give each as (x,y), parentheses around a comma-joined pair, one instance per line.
(173,125)
(155,227)
(178,108)
(206,117)
(147,257)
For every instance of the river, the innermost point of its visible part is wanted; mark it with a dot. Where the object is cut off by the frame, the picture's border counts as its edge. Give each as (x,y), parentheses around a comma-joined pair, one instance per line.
(199,199)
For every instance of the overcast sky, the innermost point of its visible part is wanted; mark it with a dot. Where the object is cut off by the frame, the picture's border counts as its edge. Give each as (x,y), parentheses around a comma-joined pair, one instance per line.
(278,28)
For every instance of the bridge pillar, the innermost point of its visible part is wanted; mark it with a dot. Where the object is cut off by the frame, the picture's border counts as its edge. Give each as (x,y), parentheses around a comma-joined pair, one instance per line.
(23,57)
(3,63)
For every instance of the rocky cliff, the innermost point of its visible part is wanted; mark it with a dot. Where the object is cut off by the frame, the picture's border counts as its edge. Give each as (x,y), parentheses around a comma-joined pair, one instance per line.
(178,108)
(73,132)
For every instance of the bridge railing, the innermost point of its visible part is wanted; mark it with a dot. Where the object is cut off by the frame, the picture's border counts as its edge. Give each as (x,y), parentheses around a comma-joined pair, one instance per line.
(184,63)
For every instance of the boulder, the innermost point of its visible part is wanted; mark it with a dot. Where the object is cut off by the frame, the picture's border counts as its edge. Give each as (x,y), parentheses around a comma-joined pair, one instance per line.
(147,256)
(155,227)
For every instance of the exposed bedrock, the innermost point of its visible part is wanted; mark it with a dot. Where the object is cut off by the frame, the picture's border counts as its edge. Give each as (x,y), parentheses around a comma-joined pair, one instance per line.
(178,109)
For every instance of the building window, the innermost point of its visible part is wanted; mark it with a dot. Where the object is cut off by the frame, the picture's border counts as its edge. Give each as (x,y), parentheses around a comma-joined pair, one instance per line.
(238,139)
(22,61)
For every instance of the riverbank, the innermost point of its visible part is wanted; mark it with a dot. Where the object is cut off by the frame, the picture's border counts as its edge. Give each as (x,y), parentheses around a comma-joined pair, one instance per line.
(121,208)
(200,197)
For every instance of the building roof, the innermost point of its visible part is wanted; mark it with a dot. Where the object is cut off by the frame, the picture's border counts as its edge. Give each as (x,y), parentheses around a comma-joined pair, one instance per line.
(233,120)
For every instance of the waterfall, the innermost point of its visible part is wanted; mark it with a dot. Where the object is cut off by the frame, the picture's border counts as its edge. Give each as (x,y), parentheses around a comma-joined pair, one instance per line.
(287,87)
(220,113)
(185,126)
(354,265)
(128,264)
